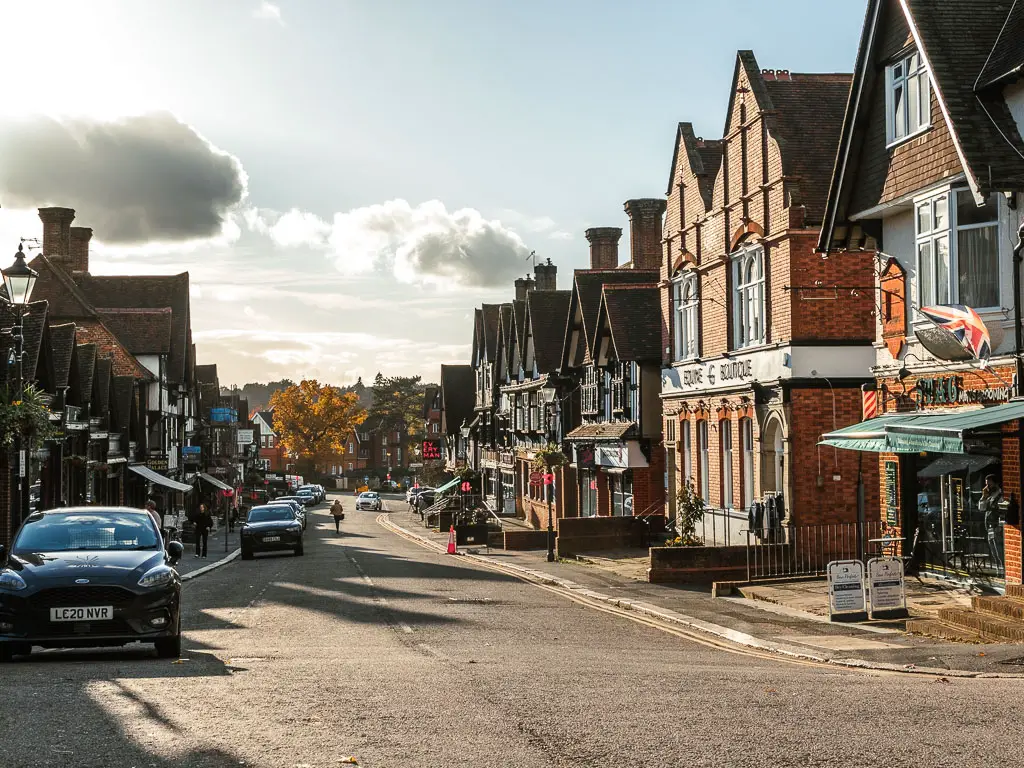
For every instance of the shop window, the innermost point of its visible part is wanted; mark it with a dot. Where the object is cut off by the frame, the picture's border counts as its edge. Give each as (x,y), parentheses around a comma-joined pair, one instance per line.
(748,299)
(685,329)
(621,488)
(908,98)
(702,454)
(588,494)
(725,436)
(957,250)
(747,459)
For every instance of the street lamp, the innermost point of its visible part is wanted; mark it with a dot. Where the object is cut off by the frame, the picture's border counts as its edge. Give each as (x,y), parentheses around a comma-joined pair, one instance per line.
(19,280)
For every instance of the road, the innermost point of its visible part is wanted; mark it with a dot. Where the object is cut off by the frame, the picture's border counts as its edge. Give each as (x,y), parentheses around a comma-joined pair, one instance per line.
(373,647)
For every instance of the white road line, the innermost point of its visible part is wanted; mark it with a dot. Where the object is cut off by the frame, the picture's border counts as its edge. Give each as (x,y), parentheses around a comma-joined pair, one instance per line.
(376,598)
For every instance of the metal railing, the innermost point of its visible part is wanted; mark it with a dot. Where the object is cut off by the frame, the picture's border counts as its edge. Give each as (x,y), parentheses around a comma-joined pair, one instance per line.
(806,550)
(723,527)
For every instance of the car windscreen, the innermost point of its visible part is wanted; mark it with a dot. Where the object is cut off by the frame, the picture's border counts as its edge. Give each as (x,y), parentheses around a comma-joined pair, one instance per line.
(270,514)
(73,532)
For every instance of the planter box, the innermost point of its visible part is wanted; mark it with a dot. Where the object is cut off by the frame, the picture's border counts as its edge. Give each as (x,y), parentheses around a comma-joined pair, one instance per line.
(472,534)
(697,565)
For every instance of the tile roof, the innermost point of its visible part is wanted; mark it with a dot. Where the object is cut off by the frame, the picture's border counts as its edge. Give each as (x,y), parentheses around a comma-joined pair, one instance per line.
(101,384)
(505,337)
(121,409)
(142,331)
(606,430)
(62,347)
(490,314)
(458,391)
(206,374)
(957,37)
(34,324)
(548,311)
(632,315)
(519,323)
(428,400)
(588,284)
(1006,59)
(54,285)
(96,332)
(148,292)
(808,119)
(85,365)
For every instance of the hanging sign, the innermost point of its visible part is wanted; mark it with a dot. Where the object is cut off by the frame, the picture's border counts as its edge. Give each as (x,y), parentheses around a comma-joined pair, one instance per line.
(886,588)
(846,599)
(431,450)
(536,478)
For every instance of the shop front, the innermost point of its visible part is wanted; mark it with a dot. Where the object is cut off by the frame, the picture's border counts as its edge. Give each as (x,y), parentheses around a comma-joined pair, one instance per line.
(608,475)
(950,478)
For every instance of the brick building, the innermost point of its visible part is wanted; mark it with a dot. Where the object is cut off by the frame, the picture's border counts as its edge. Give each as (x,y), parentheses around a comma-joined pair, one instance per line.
(765,343)
(929,175)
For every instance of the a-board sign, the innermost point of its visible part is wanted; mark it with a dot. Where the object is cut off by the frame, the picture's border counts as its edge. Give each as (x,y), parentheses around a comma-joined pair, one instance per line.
(846,600)
(886,588)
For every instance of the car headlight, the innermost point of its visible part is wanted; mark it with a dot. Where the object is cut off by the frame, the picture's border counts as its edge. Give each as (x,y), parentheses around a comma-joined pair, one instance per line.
(160,576)
(12,581)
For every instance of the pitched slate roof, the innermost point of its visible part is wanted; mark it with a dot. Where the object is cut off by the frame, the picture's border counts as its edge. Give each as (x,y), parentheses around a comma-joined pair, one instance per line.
(148,292)
(808,119)
(62,347)
(54,285)
(458,392)
(142,331)
(101,384)
(206,374)
(548,311)
(587,297)
(121,408)
(490,314)
(85,362)
(1006,60)
(505,338)
(631,315)
(607,430)
(35,315)
(96,332)
(519,327)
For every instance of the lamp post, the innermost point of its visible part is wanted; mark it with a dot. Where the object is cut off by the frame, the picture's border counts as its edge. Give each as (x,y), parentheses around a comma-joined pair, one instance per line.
(548,396)
(19,280)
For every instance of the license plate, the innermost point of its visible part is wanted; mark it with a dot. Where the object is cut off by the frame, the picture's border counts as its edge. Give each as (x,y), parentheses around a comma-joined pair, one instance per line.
(95,613)
(271,538)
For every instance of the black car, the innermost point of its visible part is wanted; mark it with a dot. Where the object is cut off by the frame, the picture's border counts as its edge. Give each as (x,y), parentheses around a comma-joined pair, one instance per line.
(271,529)
(82,577)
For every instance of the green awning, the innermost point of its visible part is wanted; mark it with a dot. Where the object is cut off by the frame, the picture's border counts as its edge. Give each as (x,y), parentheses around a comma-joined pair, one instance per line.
(932,431)
(447,486)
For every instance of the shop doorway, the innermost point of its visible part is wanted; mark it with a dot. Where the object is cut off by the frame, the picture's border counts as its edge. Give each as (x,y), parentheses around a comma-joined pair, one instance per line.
(960,513)
(773,457)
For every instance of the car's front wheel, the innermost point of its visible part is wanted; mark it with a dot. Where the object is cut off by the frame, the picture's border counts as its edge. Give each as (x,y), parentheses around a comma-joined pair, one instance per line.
(6,654)
(299,551)
(170,647)
(246,553)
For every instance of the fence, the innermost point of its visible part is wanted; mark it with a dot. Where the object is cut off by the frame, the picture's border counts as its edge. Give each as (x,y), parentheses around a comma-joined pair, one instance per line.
(806,550)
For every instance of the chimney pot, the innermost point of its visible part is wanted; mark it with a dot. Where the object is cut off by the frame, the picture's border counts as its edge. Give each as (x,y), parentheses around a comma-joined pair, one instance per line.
(604,246)
(546,275)
(57,233)
(645,230)
(523,286)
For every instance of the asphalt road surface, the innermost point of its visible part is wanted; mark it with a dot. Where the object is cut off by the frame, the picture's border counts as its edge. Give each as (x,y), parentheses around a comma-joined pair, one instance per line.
(372,647)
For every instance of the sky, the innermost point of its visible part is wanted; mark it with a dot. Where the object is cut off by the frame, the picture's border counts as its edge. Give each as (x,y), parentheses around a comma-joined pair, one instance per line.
(344,180)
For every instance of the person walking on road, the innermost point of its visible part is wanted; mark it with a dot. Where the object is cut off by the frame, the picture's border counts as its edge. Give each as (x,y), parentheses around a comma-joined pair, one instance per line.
(338,512)
(203,522)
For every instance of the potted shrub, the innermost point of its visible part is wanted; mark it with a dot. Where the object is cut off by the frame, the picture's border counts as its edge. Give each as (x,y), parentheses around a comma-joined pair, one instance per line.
(690,508)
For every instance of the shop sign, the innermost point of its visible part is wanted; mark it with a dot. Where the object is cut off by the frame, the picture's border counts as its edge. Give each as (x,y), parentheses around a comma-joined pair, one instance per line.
(585,456)
(949,390)
(245,436)
(886,588)
(846,598)
(157,463)
(611,456)
(719,373)
(892,500)
(536,478)
(431,450)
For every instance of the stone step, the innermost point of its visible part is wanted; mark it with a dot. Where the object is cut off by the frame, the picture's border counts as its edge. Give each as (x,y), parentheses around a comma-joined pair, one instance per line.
(1004,607)
(988,626)
(936,628)
(1015,590)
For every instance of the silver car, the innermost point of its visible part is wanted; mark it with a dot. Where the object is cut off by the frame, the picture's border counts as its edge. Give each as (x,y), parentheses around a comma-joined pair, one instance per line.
(369,500)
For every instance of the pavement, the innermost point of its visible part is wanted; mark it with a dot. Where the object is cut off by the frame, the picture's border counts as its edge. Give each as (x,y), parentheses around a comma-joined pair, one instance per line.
(217,550)
(373,648)
(754,623)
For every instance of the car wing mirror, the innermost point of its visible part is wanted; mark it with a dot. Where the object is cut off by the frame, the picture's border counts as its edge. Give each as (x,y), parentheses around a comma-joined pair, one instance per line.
(175,551)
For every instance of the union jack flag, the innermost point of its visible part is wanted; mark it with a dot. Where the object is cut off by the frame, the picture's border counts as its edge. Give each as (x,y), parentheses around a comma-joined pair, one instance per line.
(965,324)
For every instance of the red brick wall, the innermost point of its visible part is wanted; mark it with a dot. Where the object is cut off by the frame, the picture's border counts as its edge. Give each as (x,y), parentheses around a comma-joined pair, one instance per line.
(1011,484)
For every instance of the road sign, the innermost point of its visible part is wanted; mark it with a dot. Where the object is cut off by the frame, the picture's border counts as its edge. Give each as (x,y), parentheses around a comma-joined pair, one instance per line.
(467,487)
(846,600)
(886,588)
(536,478)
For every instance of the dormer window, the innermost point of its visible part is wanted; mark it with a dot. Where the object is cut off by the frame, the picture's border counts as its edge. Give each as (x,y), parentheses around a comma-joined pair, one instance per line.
(591,391)
(907,98)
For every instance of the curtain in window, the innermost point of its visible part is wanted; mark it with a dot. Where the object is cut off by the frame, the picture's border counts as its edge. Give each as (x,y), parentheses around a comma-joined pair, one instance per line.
(978,265)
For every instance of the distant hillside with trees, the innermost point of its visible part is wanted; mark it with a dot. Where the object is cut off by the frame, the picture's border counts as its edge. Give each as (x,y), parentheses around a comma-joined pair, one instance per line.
(259,394)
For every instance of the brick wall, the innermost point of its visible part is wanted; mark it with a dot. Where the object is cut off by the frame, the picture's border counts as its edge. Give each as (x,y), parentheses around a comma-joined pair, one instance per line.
(1011,484)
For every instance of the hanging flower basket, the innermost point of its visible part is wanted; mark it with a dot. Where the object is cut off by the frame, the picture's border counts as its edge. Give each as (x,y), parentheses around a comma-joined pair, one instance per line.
(27,416)
(549,457)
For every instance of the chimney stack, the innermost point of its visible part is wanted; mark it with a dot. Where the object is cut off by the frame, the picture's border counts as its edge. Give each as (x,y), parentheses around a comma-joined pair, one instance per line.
(57,233)
(545,274)
(523,286)
(645,229)
(604,247)
(78,260)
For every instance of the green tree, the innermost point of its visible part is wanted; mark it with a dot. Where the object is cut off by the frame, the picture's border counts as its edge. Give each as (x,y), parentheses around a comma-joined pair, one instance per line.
(398,407)
(314,421)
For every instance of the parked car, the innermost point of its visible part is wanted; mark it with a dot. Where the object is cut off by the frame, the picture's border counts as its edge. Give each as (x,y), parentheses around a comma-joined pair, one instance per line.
(317,490)
(294,506)
(423,500)
(309,498)
(369,500)
(86,577)
(414,492)
(270,529)
(305,501)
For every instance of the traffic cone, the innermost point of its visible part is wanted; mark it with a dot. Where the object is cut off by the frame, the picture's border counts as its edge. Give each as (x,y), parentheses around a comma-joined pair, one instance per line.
(451,541)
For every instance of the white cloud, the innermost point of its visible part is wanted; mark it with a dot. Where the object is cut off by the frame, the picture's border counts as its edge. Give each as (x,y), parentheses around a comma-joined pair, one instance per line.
(268,12)
(560,235)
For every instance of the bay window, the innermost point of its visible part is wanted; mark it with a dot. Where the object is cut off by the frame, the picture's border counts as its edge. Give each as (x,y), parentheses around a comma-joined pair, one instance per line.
(685,329)
(907,98)
(957,250)
(748,298)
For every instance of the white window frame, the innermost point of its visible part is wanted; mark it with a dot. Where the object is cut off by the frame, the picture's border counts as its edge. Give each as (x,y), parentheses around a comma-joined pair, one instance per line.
(686,328)
(702,453)
(686,438)
(947,234)
(907,74)
(747,457)
(748,298)
(725,438)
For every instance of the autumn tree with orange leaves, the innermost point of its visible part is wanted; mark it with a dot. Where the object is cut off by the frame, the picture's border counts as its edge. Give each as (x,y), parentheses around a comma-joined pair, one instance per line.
(314,421)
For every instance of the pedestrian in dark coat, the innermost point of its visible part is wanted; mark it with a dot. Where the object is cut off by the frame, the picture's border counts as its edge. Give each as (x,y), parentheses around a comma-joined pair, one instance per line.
(203,522)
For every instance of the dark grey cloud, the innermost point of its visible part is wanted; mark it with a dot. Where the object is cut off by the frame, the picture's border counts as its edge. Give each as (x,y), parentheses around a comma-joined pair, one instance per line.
(137,179)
